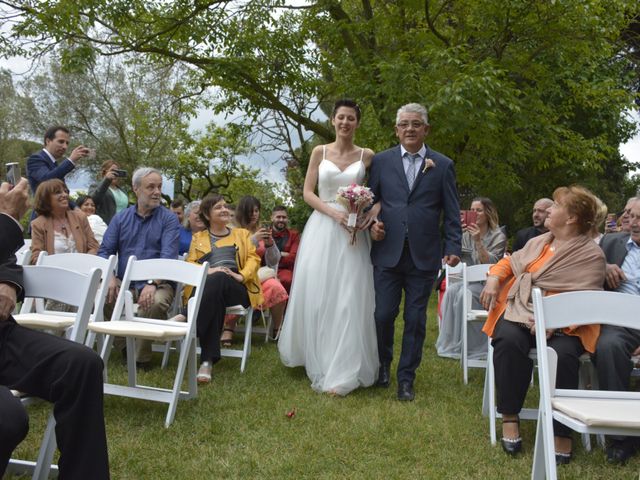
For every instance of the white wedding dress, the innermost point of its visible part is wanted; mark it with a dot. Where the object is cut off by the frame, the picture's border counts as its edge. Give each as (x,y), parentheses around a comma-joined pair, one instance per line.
(329,326)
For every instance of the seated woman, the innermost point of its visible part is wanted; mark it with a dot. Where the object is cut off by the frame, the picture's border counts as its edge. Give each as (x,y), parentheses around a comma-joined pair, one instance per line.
(192,224)
(482,242)
(234,282)
(275,295)
(562,260)
(88,207)
(58,229)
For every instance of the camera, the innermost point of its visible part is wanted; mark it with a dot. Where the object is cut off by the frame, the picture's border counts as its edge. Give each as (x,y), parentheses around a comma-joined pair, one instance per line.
(120,173)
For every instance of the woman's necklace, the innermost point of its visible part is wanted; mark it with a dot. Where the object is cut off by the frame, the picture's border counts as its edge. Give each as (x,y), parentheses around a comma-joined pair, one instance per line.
(228,231)
(61,227)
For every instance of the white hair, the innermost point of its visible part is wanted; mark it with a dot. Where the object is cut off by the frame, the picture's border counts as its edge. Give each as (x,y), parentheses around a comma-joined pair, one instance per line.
(413,108)
(140,173)
(187,211)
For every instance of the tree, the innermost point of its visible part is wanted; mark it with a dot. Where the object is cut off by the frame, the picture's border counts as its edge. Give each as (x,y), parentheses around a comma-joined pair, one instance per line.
(128,110)
(524,95)
(14,109)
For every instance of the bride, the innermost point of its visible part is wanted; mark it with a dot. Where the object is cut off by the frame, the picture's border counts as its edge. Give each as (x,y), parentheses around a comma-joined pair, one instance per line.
(328,326)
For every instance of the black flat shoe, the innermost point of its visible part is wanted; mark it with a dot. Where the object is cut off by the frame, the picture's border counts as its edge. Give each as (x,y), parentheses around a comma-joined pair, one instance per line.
(511,446)
(563,458)
(619,451)
(384,376)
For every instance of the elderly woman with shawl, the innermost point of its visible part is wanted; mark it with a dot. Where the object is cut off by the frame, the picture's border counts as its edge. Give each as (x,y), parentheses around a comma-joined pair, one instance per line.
(561,260)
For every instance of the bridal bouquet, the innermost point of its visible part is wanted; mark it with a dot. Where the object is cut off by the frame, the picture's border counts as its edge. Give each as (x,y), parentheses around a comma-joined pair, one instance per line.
(354,198)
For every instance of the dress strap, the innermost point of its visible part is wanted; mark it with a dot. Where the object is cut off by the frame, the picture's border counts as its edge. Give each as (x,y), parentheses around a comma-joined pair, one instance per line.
(324,152)
(361,154)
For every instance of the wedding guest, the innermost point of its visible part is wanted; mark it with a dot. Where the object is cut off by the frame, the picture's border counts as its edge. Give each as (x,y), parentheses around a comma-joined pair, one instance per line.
(482,242)
(58,229)
(192,224)
(275,295)
(234,284)
(232,215)
(88,207)
(549,262)
(596,229)
(625,224)
(177,207)
(108,195)
(287,240)
(539,215)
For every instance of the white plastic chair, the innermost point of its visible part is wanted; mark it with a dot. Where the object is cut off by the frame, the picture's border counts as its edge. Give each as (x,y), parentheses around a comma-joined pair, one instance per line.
(23,255)
(585,411)
(77,262)
(72,288)
(474,273)
(243,354)
(133,327)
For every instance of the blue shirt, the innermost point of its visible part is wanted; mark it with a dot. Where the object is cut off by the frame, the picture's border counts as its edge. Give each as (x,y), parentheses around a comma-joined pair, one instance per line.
(185,240)
(153,236)
(631,269)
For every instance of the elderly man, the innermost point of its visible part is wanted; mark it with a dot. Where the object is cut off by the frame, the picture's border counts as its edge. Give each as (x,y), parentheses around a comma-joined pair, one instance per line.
(47,164)
(287,240)
(62,372)
(625,223)
(539,216)
(616,345)
(146,230)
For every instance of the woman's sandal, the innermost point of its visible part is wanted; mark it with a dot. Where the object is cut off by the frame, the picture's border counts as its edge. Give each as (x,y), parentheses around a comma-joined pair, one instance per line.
(204,373)
(511,446)
(276,334)
(227,336)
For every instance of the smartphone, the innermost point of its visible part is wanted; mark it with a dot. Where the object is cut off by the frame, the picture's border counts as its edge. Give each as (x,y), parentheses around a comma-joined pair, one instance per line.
(266,225)
(13,173)
(468,217)
(612,222)
(120,173)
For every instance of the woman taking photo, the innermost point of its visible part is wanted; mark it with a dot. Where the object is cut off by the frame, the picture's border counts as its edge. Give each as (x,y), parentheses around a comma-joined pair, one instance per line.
(232,279)
(108,195)
(58,229)
(482,242)
(562,260)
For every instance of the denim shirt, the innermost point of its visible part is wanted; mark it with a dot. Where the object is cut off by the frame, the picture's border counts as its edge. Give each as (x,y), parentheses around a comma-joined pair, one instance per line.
(153,236)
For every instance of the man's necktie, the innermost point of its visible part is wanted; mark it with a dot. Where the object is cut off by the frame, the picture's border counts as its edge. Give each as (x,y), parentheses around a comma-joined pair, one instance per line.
(411,171)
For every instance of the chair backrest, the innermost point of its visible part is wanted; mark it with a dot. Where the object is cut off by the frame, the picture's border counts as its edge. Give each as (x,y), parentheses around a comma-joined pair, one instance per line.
(475,273)
(453,274)
(66,286)
(161,269)
(578,308)
(84,263)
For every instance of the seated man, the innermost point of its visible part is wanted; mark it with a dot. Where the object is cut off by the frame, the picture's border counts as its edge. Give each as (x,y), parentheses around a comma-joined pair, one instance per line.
(616,345)
(287,240)
(538,217)
(146,230)
(62,372)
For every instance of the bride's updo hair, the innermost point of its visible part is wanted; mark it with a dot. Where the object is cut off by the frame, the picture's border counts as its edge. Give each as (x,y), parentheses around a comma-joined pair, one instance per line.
(345,102)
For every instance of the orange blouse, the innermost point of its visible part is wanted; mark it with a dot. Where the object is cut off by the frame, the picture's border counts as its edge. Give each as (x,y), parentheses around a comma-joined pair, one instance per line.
(588,334)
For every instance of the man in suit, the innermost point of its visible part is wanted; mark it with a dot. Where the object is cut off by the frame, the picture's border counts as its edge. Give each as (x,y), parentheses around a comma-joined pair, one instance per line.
(539,215)
(62,372)
(46,164)
(616,345)
(414,186)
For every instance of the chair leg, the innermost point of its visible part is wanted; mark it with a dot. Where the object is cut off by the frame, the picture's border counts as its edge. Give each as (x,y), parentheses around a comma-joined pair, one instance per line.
(105,353)
(192,368)
(131,361)
(247,338)
(47,449)
(491,380)
(538,469)
(165,355)
(463,353)
(177,383)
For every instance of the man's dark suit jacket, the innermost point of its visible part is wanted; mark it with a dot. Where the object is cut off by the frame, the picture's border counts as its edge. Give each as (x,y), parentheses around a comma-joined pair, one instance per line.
(415,214)
(614,247)
(10,241)
(523,236)
(41,168)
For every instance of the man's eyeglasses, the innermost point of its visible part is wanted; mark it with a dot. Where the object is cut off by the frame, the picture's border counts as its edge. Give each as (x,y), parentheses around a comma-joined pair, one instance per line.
(406,125)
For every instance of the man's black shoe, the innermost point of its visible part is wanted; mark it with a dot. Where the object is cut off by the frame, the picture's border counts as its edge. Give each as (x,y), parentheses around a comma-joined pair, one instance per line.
(405,392)
(384,376)
(619,451)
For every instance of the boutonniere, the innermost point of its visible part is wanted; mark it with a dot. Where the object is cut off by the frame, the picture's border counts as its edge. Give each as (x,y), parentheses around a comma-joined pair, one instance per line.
(428,163)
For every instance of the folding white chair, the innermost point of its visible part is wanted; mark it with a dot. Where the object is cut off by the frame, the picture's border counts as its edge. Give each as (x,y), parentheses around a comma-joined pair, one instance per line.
(74,289)
(585,411)
(23,255)
(133,327)
(60,321)
(452,275)
(247,315)
(474,273)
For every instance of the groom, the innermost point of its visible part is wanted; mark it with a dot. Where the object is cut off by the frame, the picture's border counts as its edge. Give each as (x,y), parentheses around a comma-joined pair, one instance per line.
(414,185)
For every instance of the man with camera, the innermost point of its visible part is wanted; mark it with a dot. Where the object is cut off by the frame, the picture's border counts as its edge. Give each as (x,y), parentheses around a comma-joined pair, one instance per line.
(65,373)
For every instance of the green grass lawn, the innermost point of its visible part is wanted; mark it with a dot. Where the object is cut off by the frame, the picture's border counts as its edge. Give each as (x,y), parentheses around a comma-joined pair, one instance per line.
(238,428)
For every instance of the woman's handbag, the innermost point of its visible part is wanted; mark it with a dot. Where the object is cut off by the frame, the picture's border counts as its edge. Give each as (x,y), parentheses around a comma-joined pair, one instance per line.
(221,257)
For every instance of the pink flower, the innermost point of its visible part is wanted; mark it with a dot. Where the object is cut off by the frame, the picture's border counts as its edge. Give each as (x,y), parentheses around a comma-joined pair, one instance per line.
(428,163)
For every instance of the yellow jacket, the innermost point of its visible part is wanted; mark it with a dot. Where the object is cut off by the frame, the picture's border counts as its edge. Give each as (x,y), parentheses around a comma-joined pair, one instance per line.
(247,259)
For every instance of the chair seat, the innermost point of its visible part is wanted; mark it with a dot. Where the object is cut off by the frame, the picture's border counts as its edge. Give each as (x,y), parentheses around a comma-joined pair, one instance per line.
(150,331)
(600,411)
(44,320)
(236,310)
(477,315)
